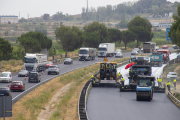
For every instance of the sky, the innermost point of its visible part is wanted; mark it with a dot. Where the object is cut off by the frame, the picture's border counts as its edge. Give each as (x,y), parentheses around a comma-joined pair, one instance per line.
(36,8)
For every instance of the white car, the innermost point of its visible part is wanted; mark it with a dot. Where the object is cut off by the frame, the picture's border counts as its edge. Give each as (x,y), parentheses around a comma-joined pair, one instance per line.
(134,52)
(6,77)
(117,51)
(172,75)
(136,49)
(53,69)
(119,54)
(157,47)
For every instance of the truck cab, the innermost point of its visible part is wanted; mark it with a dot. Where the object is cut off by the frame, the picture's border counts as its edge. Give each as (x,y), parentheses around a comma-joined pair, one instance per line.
(166,53)
(87,53)
(156,59)
(144,89)
(106,49)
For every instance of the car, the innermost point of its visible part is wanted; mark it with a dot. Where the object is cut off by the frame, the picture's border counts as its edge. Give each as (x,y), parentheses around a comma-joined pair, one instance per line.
(34,77)
(117,51)
(48,64)
(134,52)
(164,47)
(68,61)
(5,91)
(53,69)
(23,73)
(17,85)
(136,49)
(119,54)
(157,47)
(172,75)
(6,77)
(175,46)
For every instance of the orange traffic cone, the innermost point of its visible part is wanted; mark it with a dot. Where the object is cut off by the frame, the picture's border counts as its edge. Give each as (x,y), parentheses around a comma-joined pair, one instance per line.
(42,72)
(25,78)
(84,61)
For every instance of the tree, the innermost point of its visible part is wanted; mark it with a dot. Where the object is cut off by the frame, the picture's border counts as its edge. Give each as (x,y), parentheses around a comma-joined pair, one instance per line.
(115,35)
(98,29)
(91,40)
(70,38)
(174,32)
(33,42)
(142,28)
(22,20)
(46,17)
(41,29)
(5,49)
(122,24)
(128,36)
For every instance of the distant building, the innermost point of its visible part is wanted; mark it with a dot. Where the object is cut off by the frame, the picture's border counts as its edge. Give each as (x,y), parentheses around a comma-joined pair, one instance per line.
(6,19)
(161,24)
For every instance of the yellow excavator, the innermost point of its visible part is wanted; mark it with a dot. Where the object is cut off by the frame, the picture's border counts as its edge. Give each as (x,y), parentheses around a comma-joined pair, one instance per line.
(107,74)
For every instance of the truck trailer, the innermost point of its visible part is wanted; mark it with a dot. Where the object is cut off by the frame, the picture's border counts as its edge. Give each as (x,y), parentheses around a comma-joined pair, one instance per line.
(156,59)
(35,62)
(86,53)
(106,49)
(149,47)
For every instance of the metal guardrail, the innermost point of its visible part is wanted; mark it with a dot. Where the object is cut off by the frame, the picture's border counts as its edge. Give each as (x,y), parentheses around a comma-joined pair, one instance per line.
(174,98)
(83,97)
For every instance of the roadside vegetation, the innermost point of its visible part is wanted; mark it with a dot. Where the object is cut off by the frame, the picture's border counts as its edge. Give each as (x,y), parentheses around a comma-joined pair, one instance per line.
(65,108)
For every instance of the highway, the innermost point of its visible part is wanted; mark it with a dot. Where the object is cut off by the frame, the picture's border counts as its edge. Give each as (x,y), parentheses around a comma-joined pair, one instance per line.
(44,78)
(107,103)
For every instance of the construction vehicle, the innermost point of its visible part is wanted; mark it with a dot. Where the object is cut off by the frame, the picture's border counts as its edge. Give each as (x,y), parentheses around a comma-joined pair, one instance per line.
(35,62)
(144,89)
(156,59)
(107,74)
(149,47)
(166,53)
(87,53)
(140,60)
(106,49)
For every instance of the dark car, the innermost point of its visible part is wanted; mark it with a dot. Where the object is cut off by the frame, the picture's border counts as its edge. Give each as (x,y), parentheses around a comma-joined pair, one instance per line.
(5,91)
(68,61)
(17,85)
(34,77)
(23,73)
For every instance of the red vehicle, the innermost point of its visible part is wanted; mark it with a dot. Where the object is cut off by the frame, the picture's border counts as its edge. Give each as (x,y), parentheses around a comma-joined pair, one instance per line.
(49,64)
(164,47)
(17,85)
(166,53)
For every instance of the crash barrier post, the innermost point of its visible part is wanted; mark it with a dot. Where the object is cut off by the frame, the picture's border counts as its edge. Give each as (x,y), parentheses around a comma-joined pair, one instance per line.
(174,98)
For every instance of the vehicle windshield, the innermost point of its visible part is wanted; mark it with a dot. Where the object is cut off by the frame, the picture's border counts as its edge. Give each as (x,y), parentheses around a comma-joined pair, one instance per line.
(118,50)
(33,75)
(173,74)
(4,75)
(3,89)
(23,71)
(83,52)
(144,82)
(67,59)
(29,60)
(102,49)
(52,66)
(136,48)
(16,83)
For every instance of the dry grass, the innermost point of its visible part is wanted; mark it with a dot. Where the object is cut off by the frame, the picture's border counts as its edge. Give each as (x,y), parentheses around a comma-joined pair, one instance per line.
(11,65)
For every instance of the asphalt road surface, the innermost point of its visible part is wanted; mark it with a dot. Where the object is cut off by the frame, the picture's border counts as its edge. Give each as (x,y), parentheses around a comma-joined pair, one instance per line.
(107,103)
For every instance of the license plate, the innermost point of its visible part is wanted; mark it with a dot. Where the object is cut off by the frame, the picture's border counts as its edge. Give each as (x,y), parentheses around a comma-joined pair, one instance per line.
(15,86)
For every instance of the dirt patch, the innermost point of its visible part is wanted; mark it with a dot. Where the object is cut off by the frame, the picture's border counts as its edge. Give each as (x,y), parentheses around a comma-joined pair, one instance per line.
(50,107)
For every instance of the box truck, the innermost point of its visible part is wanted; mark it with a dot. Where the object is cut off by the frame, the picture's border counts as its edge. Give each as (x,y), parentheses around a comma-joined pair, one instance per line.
(106,49)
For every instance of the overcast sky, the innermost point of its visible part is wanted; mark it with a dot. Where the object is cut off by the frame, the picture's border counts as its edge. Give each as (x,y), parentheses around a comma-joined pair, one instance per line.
(36,8)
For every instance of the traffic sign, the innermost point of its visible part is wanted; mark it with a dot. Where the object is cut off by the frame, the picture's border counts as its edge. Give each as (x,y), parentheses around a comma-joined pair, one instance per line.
(105,59)
(167,37)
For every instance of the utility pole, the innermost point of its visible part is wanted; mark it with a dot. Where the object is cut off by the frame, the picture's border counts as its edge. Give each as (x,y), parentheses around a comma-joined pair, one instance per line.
(87,7)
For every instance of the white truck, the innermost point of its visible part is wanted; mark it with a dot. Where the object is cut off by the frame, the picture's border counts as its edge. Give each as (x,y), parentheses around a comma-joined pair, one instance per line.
(87,53)
(106,49)
(35,62)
